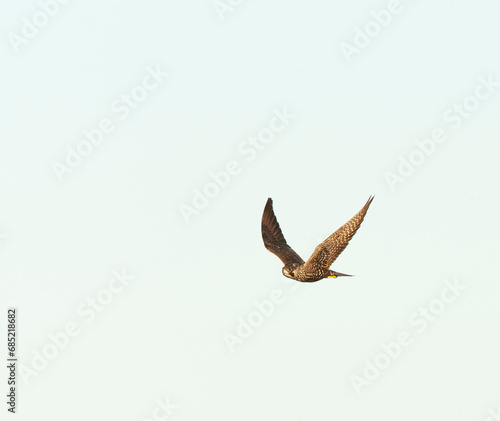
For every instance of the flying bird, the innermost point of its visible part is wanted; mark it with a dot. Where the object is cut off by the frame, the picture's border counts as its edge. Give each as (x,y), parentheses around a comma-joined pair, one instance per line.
(318,265)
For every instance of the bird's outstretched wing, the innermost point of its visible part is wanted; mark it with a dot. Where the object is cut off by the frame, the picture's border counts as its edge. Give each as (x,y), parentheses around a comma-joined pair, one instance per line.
(273,237)
(326,253)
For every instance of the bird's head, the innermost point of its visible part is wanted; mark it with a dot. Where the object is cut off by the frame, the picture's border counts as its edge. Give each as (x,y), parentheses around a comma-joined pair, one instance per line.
(290,270)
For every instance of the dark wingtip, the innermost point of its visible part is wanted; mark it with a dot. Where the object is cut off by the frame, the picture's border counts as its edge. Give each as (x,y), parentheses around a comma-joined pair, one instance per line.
(268,212)
(269,204)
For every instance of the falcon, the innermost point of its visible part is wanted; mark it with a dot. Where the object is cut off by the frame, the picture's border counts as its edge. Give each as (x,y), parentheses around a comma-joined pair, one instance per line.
(318,265)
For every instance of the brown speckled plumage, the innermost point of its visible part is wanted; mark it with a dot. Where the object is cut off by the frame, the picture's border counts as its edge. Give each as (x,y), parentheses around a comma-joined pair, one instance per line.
(318,265)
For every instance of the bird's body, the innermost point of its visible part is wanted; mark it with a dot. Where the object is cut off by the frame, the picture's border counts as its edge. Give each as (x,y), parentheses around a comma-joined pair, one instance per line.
(318,265)
(303,273)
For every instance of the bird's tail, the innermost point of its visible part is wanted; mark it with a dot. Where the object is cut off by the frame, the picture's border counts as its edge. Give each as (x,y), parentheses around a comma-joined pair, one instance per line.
(334,274)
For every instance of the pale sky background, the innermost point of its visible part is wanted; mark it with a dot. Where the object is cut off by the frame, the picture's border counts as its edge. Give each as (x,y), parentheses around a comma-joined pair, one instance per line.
(163,335)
